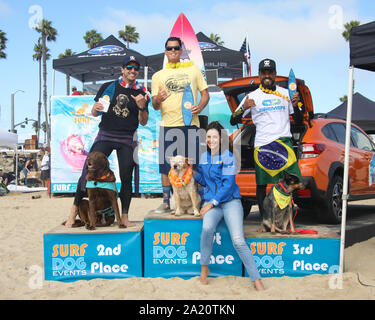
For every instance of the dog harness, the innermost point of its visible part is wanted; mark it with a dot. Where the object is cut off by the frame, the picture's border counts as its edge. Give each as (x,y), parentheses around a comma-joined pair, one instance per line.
(180,182)
(101,185)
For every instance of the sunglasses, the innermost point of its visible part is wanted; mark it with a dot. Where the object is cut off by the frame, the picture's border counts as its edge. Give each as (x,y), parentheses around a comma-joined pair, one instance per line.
(176,48)
(130,67)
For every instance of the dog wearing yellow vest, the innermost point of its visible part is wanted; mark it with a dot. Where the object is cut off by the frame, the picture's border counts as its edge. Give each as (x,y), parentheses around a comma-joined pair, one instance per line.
(185,189)
(278,205)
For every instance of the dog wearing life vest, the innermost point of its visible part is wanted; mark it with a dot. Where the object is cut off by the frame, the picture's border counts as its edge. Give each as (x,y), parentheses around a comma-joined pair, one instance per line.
(102,208)
(278,205)
(185,189)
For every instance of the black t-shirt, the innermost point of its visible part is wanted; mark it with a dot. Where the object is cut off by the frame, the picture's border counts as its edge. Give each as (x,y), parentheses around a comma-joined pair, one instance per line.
(122,114)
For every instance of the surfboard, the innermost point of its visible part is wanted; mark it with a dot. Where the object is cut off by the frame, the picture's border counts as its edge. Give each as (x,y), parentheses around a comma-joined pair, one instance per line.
(187,103)
(191,50)
(292,86)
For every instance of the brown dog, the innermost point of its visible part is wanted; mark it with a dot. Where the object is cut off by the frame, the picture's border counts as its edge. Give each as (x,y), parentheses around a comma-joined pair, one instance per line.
(102,207)
(185,189)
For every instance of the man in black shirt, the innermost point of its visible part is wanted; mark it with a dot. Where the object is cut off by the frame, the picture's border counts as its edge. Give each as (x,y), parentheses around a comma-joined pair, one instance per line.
(123,104)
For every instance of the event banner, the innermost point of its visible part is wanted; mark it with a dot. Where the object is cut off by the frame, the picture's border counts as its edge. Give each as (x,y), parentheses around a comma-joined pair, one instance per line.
(172,249)
(295,257)
(71,257)
(73,131)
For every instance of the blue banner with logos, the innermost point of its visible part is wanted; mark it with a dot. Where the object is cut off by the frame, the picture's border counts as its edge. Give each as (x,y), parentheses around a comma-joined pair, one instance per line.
(295,257)
(73,131)
(172,249)
(71,257)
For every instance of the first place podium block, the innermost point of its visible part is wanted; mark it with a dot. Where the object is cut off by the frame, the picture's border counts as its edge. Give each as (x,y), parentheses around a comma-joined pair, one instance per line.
(172,248)
(72,254)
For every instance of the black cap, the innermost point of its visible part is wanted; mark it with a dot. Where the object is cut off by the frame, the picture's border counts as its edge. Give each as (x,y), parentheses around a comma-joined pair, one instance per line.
(267,64)
(129,59)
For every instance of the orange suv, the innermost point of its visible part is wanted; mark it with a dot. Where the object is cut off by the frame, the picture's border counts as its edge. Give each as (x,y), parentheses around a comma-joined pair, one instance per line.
(319,144)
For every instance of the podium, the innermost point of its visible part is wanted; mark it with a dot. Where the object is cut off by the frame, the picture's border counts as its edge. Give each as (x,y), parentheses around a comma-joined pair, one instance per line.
(168,246)
(293,255)
(172,248)
(72,254)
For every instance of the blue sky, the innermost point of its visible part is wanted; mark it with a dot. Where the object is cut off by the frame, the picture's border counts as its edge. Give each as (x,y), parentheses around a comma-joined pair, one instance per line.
(298,34)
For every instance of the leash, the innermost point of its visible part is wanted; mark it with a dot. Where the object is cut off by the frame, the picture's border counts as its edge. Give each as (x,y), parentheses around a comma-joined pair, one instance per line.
(300,231)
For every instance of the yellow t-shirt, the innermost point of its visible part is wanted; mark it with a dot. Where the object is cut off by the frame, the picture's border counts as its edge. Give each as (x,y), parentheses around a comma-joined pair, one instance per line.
(174,82)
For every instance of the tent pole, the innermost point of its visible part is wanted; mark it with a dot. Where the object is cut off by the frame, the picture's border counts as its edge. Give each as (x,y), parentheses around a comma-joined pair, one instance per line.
(346,167)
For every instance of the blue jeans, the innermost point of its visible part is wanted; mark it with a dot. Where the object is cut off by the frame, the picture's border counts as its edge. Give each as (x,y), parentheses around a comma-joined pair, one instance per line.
(25,173)
(232,212)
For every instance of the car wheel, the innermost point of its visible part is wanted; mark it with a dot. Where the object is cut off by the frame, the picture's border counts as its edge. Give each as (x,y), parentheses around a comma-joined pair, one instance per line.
(332,211)
(246,207)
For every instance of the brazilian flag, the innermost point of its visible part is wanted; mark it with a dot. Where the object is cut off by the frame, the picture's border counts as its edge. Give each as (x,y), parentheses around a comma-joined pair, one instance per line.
(272,159)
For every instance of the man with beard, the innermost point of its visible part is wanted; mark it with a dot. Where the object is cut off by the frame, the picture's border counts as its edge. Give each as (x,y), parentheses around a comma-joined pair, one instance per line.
(270,107)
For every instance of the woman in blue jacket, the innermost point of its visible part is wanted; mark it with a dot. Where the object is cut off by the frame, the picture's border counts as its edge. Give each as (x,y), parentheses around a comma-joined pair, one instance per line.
(221,199)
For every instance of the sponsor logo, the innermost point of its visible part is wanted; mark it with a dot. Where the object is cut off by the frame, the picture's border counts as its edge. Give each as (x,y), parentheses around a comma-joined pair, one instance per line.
(105,49)
(206,45)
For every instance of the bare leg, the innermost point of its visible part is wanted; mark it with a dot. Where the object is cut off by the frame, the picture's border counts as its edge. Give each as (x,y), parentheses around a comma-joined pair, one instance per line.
(72,216)
(204,274)
(125,220)
(258,285)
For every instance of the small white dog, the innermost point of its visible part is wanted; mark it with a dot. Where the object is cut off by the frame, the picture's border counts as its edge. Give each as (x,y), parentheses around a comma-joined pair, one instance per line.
(185,189)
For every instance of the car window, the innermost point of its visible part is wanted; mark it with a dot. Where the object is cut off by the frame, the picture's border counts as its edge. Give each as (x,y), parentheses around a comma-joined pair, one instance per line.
(339,130)
(361,141)
(328,132)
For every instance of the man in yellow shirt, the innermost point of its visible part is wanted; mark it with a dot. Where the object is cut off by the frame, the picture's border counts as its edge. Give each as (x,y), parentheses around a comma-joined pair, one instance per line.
(168,86)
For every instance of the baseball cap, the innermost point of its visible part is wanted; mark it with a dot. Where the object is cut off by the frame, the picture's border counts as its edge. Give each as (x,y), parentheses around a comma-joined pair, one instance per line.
(129,59)
(267,64)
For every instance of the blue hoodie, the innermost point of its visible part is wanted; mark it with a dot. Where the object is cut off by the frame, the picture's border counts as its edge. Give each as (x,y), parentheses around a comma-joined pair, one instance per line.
(217,174)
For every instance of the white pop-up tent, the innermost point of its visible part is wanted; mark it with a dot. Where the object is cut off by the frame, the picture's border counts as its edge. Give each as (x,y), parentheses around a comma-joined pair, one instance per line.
(9,140)
(362,56)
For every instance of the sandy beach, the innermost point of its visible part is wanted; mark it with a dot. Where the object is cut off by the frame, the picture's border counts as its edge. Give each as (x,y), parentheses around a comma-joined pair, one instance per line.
(25,220)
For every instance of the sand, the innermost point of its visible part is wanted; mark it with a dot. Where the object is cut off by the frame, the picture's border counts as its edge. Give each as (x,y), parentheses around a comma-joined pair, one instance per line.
(25,220)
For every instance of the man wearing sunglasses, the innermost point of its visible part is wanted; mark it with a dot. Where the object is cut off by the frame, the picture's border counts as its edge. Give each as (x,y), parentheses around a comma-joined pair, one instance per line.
(122,104)
(176,137)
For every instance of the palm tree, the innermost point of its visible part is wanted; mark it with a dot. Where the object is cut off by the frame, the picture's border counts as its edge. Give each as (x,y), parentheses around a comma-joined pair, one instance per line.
(3,40)
(67,53)
(344,98)
(92,38)
(38,57)
(48,33)
(348,26)
(129,35)
(216,38)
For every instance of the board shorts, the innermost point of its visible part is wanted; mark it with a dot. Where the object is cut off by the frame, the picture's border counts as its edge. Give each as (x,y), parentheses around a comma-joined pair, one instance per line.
(272,159)
(173,141)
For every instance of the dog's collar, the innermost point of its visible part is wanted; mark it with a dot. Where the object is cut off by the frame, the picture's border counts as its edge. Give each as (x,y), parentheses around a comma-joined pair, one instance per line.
(180,182)
(103,177)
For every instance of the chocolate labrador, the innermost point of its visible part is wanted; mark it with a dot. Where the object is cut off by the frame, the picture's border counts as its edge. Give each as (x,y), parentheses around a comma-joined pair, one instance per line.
(102,208)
